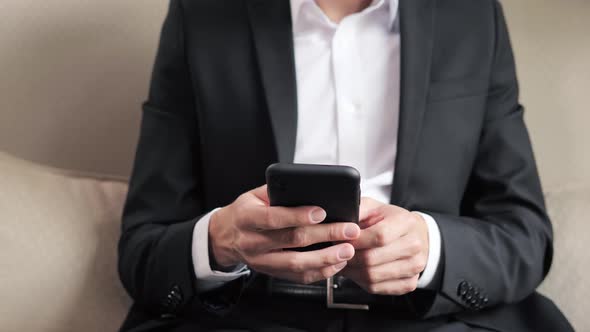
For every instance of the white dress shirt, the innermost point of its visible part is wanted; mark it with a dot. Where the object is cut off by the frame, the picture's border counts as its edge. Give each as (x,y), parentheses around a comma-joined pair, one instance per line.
(348,86)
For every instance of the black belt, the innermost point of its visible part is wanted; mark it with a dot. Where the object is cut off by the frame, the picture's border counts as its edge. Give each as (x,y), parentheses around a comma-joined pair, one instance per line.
(336,293)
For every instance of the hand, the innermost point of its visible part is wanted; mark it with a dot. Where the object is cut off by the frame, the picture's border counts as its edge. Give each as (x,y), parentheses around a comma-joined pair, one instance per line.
(392,250)
(250,231)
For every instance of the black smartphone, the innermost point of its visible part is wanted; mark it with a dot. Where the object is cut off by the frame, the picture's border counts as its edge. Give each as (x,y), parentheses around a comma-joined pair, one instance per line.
(336,189)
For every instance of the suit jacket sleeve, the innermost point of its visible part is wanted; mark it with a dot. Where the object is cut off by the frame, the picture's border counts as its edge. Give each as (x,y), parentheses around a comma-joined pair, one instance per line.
(165,198)
(500,248)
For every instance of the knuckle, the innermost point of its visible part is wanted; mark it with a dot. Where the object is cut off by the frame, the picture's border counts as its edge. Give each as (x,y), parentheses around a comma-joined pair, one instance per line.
(295,265)
(415,245)
(409,217)
(381,238)
(374,288)
(373,276)
(242,199)
(327,259)
(327,273)
(335,232)
(397,291)
(243,245)
(413,286)
(409,285)
(415,269)
(419,265)
(308,278)
(299,237)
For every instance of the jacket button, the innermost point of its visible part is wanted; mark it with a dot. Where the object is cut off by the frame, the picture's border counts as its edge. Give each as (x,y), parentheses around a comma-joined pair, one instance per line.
(172,300)
(176,292)
(462,289)
(167,316)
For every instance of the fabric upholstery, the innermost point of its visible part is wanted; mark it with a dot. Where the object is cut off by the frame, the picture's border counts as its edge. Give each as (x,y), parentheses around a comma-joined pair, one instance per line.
(58,236)
(567,283)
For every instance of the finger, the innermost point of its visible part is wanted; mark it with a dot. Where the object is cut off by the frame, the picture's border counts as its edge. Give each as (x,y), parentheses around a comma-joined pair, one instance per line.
(261,193)
(259,242)
(405,247)
(381,234)
(276,217)
(367,207)
(373,212)
(399,269)
(307,235)
(393,287)
(300,262)
(310,276)
(371,218)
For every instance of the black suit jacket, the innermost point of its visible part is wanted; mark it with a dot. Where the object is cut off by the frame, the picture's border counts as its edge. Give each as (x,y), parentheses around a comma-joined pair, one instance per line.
(222,107)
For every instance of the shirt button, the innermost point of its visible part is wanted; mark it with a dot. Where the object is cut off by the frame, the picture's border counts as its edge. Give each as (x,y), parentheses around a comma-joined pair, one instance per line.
(350,108)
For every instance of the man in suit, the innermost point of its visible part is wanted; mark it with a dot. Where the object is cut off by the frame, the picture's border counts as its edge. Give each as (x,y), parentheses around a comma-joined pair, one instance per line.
(420,96)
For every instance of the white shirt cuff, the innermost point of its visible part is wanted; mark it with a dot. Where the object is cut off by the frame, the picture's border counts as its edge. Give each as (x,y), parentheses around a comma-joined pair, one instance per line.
(208,279)
(434,250)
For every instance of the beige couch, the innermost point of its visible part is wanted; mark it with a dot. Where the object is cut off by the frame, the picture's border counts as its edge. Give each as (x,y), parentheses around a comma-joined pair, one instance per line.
(58,241)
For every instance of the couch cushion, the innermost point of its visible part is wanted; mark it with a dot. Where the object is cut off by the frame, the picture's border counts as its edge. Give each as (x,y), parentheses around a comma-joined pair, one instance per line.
(58,237)
(567,283)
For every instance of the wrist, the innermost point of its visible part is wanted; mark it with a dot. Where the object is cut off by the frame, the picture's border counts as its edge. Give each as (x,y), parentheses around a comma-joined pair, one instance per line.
(221,255)
(424,233)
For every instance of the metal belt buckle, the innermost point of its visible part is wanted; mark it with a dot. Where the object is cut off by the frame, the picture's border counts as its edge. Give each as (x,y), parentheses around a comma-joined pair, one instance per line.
(330,286)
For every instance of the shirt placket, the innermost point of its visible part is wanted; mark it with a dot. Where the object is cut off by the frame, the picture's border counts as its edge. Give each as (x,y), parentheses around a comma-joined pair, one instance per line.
(348,84)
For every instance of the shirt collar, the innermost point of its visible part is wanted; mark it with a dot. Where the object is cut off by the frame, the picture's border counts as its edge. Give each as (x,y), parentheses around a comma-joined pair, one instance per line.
(392,8)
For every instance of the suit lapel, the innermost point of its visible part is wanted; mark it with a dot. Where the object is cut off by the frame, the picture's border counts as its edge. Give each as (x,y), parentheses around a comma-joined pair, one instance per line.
(271,28)
(273,38)
(416,29)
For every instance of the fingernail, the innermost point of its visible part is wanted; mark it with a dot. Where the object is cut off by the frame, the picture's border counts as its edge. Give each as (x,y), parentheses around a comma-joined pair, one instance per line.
(351,231)
(339,266)
(346,252)
(318,215)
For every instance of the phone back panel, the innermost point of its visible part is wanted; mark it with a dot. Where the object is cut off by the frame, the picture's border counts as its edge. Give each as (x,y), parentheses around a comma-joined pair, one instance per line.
(336,189)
